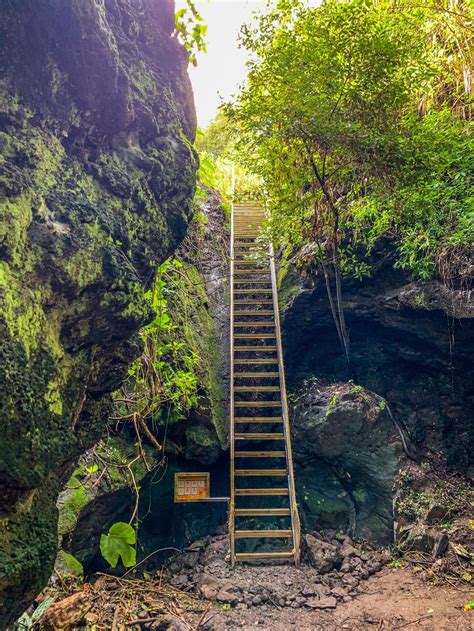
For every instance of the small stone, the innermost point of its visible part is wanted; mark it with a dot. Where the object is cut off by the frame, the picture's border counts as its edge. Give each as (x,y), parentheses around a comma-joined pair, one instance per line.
(321,555)
(346,599)
(256,600)
(338,592)
(349,579)
(208,586)
(288,583)
(328,603)
(440,545)
(229,593)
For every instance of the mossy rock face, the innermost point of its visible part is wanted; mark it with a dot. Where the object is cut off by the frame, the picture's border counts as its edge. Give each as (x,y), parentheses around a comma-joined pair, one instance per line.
(97,178)
(346,451)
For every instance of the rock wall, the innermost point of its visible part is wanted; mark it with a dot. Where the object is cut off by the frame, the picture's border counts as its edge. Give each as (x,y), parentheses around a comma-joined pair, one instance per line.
(97,178)
(412,342)
(196,442)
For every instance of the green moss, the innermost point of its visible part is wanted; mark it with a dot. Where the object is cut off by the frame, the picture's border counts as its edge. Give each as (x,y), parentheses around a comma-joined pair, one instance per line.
(68,564)
(16,217)
(53,397)
(71,509)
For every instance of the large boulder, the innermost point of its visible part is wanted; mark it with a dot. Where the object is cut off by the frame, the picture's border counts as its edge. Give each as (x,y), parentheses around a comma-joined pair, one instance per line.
(97,179)
(346,453)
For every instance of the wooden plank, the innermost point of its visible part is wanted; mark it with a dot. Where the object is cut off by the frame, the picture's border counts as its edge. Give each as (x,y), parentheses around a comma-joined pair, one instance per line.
(253,324)
(257,389)
(260,492)
(260,472)
(262,512)
(249,348)
(241,362)
(255,556)
(259,436)
(257,404)
(259,454)
(256,375)
(263,534)
(258,419)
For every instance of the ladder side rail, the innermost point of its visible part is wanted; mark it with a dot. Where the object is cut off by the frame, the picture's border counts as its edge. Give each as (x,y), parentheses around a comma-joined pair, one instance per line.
(232,413)
(284,407)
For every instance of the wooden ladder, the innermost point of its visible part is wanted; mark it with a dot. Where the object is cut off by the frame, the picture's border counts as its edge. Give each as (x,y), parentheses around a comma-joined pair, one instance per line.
(263,516)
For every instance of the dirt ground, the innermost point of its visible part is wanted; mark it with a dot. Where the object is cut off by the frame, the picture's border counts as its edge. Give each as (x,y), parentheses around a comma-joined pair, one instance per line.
(392,599)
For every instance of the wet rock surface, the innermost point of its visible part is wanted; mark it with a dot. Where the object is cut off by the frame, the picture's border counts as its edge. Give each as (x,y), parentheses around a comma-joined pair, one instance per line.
(411,343)
(97,182)
(346,454)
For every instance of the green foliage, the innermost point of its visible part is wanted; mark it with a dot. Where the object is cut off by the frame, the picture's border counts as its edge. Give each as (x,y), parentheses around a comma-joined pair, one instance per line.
(119,543)
(164,376)
(352,115)
(191,30)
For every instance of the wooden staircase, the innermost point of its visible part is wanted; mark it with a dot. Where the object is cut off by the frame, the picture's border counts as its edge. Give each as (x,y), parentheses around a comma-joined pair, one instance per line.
(263,517)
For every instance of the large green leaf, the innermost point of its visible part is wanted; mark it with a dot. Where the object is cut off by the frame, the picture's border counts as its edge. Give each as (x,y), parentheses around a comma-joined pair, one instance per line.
(119,543)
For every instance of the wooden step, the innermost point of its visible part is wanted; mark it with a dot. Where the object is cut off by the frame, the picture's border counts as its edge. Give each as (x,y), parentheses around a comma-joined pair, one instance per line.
(259,349)
(254,336)
(257,375)
(251,272)
(257,404)
(257,281)
(255,312)
(262,512)
(241,362)
(258,419)
(260,472)
(255,492)
(253,291)
(247,263)
(255,556)
(259,454)
(256,388)
(253,302)
(259,436)
(244,324)
(263,534)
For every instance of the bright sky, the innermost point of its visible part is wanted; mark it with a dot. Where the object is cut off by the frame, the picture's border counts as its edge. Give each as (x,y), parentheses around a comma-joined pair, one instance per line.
(222,69)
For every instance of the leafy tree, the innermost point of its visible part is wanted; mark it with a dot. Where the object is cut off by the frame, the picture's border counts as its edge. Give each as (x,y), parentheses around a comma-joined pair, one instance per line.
(330,118)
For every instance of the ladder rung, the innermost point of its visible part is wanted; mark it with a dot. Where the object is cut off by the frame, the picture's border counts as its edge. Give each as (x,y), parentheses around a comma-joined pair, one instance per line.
(243,324)
(251,272)
(260,472)
(247,263)
(252,556)
(253,291)
(254,336)
(247,349)
(259,436)
(258,419)
(254,312)
(257,404)
(264,534)
(257,281)
(253,302)
(257,375)
(252,492)
(259,454)
(241,362)
(256,388)
(262,512)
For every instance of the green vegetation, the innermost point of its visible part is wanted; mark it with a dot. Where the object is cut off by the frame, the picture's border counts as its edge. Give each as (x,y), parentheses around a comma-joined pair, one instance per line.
(191,29)
(119,543)
(353,115)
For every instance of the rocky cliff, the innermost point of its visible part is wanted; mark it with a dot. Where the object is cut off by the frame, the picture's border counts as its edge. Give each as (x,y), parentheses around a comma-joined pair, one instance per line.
(97,178)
